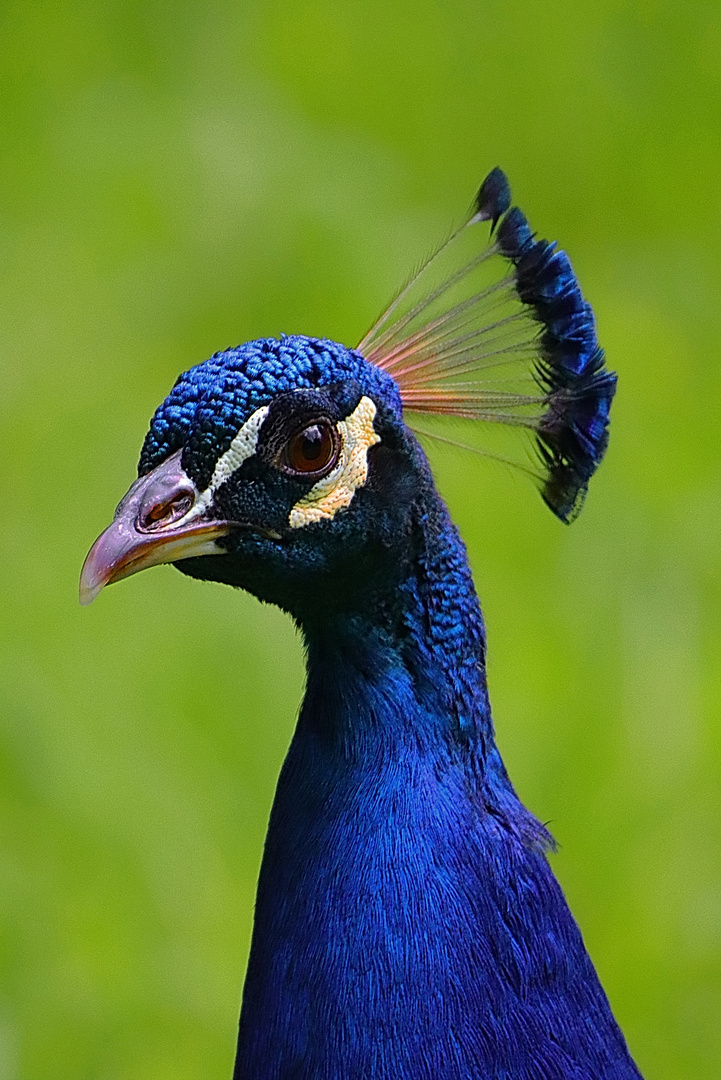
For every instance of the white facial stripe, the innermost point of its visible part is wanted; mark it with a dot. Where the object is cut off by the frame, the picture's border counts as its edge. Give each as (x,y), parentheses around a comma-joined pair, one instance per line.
(336,490)
(242,447)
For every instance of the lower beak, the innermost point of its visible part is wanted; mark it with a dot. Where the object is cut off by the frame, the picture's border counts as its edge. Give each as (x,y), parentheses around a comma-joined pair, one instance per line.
(145,531)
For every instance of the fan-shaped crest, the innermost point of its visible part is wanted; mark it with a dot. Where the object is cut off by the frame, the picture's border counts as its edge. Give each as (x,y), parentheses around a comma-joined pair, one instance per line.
(503,335)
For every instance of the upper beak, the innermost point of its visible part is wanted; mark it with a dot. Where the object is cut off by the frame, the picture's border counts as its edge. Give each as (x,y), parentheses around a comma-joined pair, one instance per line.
(160,520)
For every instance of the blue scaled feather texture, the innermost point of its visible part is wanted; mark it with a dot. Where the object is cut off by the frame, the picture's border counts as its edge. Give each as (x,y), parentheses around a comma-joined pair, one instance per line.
(408,925)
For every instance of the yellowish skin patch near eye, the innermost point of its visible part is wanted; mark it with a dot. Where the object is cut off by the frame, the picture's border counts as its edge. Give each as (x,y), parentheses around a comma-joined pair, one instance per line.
(336,490)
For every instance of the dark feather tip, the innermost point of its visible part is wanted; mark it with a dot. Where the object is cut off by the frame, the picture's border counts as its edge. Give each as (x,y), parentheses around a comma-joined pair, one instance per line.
(493,198)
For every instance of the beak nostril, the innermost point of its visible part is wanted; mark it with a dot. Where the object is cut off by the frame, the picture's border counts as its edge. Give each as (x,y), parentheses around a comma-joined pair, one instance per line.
(165,512)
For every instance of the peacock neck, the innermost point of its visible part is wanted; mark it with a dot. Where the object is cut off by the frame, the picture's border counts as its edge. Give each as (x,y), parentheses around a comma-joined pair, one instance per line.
(407,923)
(405,902)
(397,679)
(419,628)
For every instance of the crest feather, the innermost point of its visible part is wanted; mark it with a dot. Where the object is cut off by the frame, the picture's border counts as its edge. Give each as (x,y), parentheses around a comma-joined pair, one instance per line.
(503,335)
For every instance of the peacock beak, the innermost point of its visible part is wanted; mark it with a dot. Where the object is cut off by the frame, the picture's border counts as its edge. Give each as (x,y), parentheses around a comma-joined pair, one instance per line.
(162,519)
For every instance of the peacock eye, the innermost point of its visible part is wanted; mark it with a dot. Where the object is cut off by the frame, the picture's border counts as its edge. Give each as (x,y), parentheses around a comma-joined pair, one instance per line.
(312,451)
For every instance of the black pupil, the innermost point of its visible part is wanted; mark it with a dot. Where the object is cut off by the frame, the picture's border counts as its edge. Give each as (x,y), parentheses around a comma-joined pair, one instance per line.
(311,443)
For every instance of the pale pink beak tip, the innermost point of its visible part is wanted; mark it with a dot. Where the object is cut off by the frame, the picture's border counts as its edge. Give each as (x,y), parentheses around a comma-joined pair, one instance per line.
(90,586)
(98,568)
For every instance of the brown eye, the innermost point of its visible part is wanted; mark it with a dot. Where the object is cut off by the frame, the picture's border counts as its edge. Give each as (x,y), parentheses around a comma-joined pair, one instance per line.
(312,450)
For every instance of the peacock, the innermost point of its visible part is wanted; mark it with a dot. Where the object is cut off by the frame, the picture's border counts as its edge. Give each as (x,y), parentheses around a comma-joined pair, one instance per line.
(407,925)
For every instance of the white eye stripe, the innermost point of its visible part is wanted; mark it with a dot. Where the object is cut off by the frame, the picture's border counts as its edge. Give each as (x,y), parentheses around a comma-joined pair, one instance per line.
(243,446)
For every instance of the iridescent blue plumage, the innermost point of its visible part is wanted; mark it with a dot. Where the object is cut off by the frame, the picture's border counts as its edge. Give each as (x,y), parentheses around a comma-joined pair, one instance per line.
(408,925)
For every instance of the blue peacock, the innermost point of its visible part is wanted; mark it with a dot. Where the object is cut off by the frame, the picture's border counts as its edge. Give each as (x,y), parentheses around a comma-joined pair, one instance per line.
(407,925)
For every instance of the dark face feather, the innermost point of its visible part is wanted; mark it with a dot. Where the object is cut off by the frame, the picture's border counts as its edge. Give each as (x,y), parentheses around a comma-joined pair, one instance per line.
(315,561)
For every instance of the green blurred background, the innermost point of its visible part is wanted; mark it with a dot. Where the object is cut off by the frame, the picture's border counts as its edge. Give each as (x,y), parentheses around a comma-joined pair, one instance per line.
(179,177)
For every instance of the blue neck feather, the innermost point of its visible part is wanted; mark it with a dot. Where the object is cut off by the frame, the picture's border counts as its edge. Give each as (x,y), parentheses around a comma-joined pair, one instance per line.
(408,925)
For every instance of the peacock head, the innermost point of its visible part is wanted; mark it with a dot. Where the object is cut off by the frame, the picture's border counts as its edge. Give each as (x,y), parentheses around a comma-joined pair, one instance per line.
(287,467)
(276,466)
